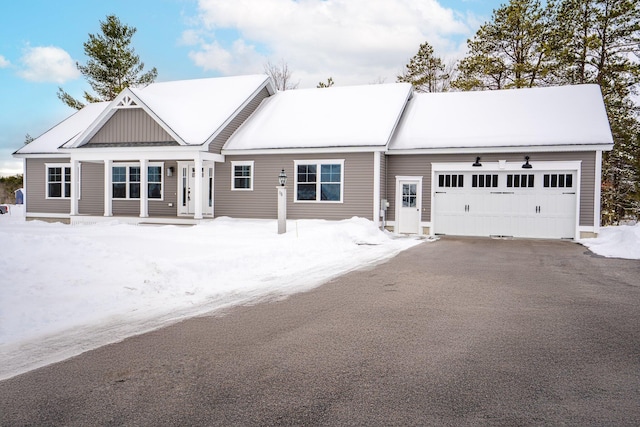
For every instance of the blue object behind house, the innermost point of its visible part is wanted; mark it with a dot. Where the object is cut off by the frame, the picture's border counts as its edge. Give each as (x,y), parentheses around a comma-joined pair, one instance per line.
(19,196)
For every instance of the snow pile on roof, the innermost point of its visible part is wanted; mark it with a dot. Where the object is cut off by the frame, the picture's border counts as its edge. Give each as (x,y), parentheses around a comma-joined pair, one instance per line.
(329,117)
(616,242)
(196,109)
(66,131)
(105,282)
(564,115)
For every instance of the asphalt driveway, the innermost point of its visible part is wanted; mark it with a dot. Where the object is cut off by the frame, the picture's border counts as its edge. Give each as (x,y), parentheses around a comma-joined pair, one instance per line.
(457,332)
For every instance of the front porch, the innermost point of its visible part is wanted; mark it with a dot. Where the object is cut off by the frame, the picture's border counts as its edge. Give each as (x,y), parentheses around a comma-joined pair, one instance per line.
(147,188)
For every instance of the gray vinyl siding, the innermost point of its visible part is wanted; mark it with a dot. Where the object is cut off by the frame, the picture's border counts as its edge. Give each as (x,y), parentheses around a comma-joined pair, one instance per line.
(262,201)
(420,165)
(170,194)
(221,139)
(37,201)
(91,189)
(130,125)
(383,176)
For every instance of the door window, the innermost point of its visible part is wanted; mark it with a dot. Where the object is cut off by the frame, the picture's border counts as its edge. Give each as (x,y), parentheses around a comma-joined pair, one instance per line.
(409,195)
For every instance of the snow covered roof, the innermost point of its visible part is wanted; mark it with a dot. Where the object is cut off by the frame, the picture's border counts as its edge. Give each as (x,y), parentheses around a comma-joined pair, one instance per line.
(564,115)
(193,110)
(66,131)
(196,109)
(351,116)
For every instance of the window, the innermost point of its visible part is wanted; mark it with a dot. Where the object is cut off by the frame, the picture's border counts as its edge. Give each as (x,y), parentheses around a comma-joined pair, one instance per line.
(519,180)
(125,181)
(154,182)
(449,180)
(558,180)
(409,195)
(480,180)
(319,181)
(58,181)
(242,176)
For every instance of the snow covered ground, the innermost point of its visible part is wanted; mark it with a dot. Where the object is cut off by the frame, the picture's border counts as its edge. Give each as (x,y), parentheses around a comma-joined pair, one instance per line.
(616,242)
(67,289)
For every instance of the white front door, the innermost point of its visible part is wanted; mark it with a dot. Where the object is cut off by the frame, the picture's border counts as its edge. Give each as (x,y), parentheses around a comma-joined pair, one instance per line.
(186,185)
(408,205)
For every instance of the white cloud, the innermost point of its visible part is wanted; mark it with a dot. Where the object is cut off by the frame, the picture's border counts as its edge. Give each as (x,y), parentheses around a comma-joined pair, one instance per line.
(48,64)
(4,62)
(355,41)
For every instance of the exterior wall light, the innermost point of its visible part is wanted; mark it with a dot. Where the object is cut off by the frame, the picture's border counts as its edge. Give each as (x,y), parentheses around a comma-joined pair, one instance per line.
(477,162)
(526,165)
(282,178)
(170,171)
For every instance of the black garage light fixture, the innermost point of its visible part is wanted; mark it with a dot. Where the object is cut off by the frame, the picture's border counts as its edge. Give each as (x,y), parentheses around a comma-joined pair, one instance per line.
(526,165)
(477,162)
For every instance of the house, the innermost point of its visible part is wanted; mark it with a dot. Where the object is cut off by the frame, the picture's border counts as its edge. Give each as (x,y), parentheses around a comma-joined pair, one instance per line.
(524,163)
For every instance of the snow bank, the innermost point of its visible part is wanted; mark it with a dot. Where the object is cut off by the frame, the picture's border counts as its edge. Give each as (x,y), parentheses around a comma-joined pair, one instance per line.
(616,242)
(67,289)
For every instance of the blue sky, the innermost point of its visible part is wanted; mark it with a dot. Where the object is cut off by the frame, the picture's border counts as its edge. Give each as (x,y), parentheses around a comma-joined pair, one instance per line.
(353,41)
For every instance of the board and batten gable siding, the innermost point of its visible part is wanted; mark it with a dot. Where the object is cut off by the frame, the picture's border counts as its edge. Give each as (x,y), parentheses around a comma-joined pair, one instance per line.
(262,201)
(420,165)
(221,139)
(36,190)
(130,126)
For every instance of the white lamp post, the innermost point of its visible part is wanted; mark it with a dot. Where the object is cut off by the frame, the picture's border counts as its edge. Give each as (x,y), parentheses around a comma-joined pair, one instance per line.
(282,203)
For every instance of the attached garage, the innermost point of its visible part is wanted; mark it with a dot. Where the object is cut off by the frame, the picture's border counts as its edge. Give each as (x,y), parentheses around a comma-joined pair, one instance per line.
(537,169)
(506,200)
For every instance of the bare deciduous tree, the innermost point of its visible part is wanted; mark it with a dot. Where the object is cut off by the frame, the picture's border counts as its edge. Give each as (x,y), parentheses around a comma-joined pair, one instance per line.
(280,75)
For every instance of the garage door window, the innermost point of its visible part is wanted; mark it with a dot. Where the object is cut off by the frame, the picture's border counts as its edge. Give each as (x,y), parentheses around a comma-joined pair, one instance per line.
(450,180)
(484,181)
(519,180)
(558,180)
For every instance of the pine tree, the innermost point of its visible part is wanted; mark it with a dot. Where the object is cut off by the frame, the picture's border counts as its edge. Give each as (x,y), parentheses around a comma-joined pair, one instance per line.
(328,83)
(425,71)
(112,66)
(510,51)
(600,42)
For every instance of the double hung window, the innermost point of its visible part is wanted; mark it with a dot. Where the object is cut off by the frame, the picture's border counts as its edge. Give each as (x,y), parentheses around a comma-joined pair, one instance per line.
(319,180)
(242,175)
(125,181)
(58,181)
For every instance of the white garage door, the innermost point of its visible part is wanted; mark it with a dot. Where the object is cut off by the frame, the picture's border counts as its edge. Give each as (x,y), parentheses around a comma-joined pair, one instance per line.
(506,203)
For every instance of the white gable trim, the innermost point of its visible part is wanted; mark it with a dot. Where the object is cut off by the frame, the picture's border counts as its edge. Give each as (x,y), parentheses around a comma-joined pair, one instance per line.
(126,99)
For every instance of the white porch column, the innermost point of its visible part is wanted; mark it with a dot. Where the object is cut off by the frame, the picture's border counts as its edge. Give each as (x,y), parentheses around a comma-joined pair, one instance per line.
(144,192)
(197,188)
(74,188)
(108,188)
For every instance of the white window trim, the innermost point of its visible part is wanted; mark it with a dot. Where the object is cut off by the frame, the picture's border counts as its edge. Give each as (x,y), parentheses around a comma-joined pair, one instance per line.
(233,177)
(318,163)
(127,182)
(47,166)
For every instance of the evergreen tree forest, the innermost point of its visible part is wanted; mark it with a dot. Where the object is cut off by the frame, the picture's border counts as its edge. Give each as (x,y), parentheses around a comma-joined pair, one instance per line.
(528,43)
